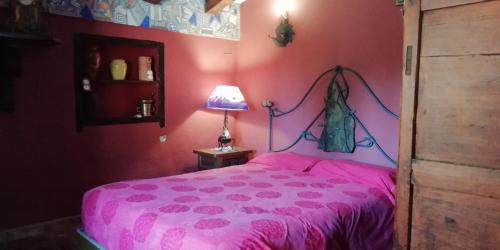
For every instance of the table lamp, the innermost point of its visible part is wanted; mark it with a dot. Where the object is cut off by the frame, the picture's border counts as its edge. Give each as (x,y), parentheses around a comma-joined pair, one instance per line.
(225,97)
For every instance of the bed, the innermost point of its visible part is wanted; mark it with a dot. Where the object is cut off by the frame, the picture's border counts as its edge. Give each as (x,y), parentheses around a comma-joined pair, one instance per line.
(276,201)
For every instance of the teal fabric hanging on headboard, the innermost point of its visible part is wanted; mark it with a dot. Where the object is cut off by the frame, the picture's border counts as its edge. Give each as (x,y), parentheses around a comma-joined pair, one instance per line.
(339,125)
(340,120)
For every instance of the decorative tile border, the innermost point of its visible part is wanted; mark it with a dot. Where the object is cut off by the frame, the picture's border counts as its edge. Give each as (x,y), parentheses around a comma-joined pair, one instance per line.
(184,16)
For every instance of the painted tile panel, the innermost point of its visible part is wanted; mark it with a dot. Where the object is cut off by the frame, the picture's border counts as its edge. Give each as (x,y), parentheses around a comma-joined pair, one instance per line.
(184,16)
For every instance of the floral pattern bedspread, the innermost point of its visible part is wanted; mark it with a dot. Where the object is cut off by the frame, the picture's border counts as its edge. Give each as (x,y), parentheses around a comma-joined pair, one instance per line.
(251,206)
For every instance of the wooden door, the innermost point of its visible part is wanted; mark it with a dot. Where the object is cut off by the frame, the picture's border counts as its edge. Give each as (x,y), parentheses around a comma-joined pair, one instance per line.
(449,160)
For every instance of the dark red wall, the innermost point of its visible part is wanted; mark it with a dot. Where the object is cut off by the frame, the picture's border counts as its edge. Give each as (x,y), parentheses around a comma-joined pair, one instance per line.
(46,165)
(364,35)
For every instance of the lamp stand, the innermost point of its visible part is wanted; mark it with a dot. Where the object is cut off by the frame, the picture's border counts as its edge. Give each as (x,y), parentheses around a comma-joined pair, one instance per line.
(225,138)
(225,120)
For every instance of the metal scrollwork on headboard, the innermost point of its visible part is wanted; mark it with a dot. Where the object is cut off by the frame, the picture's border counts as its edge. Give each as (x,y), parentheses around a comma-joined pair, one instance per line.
(339,85)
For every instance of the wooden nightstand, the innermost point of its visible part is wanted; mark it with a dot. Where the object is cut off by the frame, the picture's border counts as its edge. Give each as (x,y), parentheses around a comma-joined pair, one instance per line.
(210,158)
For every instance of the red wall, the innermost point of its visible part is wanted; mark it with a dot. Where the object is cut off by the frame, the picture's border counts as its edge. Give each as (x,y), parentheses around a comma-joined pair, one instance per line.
(46,165)
(364,35)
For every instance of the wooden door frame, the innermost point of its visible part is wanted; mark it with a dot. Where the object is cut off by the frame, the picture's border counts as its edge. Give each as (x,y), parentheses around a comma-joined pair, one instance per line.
(404,189)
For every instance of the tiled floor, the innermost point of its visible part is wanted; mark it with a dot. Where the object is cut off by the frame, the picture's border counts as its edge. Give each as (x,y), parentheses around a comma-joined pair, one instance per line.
(54,235)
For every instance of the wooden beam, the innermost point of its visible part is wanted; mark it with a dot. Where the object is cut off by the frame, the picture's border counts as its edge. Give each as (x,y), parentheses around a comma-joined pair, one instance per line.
(216,6)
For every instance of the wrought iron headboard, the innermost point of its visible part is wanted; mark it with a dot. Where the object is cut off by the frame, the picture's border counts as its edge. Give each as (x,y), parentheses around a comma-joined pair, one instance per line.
(368,141)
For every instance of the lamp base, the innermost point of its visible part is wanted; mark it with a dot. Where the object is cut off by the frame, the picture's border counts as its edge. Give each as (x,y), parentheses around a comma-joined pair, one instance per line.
(225,138)
(225,149)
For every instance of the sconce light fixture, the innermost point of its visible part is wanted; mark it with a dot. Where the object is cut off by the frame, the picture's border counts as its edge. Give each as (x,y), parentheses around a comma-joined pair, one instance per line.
(284,32)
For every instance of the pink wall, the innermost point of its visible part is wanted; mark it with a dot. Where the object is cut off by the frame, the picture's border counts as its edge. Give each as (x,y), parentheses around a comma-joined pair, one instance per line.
(46,165)
(364,35)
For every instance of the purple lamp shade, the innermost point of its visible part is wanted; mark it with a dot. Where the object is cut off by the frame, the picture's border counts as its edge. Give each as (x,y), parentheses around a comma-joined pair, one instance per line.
(226,97)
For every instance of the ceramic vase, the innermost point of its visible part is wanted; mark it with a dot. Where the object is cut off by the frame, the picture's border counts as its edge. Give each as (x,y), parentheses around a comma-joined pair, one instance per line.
(118,69)
(145,72)
(93,62)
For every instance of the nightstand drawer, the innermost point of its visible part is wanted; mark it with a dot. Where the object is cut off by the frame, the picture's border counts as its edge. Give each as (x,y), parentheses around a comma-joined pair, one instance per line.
(234,161)
(210,158)
(207,162)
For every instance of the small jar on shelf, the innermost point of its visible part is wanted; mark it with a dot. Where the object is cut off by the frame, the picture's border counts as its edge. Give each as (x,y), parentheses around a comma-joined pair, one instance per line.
(118,69)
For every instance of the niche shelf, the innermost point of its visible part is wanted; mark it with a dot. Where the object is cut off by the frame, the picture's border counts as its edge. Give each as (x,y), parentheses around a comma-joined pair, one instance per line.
(113,102)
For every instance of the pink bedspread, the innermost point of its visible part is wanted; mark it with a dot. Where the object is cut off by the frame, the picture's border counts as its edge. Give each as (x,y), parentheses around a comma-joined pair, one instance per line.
(252,206)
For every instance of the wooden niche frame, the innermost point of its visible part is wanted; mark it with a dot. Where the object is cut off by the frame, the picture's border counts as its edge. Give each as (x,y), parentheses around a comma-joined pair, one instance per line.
(99,113)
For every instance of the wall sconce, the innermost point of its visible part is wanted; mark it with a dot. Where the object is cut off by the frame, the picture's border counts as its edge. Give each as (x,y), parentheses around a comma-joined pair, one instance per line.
(284,32)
